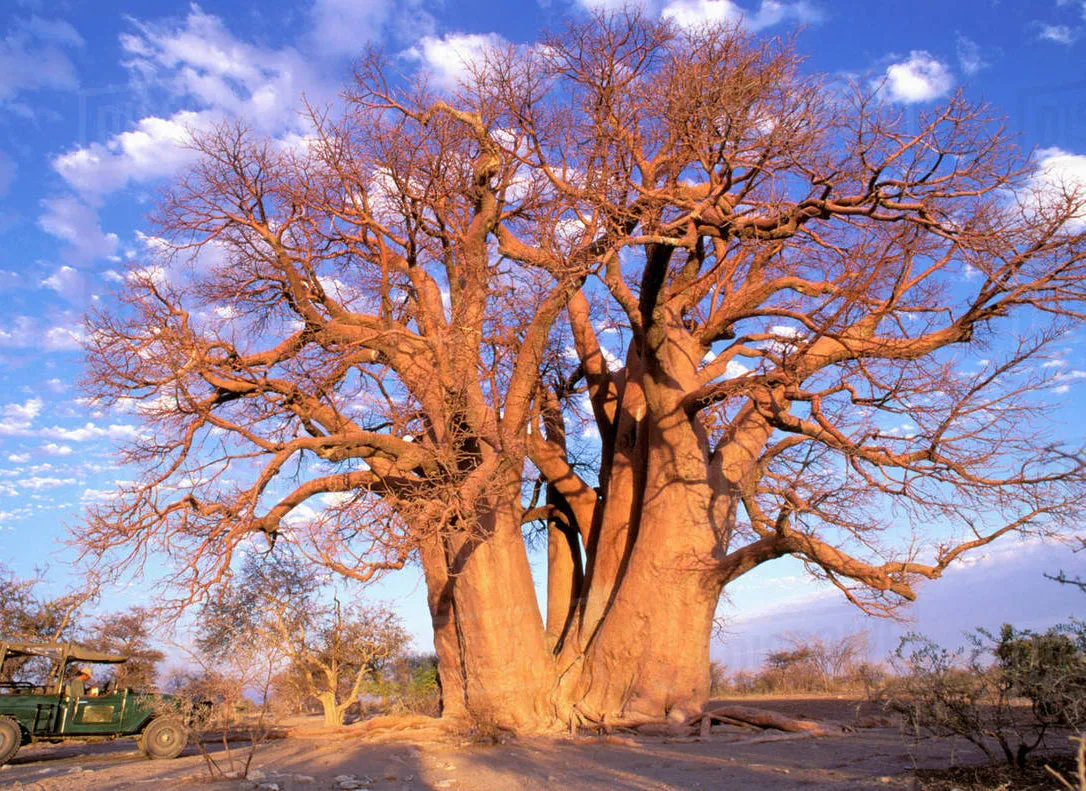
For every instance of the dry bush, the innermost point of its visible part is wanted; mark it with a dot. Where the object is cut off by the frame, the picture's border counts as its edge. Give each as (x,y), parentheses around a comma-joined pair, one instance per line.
(1007,691)
(233,688)
(412,686)
(809,663)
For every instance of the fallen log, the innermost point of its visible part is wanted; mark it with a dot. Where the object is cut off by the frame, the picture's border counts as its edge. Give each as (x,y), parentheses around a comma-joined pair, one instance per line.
(746,715)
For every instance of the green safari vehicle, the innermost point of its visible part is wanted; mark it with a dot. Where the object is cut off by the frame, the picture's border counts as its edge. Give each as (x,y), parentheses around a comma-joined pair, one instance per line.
(50,712)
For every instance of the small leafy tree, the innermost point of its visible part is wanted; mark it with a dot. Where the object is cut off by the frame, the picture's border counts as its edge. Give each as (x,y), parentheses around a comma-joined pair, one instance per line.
(130,633)
(28,613)
(411,685)
(718,678)
(278,601)
(1049,669)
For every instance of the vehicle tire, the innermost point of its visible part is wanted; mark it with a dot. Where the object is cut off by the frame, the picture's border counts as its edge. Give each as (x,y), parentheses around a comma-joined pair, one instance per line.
(165,737)
(11,736)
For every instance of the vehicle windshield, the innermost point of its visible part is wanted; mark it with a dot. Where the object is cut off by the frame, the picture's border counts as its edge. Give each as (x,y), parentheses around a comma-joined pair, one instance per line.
(46,667)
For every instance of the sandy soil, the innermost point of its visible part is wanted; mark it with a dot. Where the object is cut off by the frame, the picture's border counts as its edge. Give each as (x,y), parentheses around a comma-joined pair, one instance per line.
(871,754)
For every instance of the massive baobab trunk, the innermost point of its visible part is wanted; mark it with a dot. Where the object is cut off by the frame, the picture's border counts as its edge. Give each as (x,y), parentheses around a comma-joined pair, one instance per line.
(488,631)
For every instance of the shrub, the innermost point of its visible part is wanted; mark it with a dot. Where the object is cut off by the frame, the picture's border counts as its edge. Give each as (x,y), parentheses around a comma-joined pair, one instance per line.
(1049,669)
(975,693)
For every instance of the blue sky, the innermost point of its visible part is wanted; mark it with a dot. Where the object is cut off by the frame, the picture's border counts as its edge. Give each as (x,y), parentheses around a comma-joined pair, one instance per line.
(96,96)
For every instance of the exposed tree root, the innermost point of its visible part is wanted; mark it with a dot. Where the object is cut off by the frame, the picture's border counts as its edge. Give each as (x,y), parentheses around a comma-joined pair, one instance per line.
(700,725)
(421,728)
(407,727)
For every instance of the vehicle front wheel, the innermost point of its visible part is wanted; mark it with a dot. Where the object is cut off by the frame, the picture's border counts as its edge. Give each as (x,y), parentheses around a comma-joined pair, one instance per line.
(10,739)
(165,737)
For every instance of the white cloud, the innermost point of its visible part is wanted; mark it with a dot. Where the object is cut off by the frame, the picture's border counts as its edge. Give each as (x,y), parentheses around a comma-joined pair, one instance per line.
(213,76)
(20,333)
(98,495)
(735,369)
(784,331)
(18,458)
(449,58)
(89,431)
(1059,173)
(344,27)
(25,332)
(202,62)
(66,281)
(53,449)
(63,338)
(1060,34)
(1062,381)
(153,150)
(969,56)
(32,57)
(69,219)
(40,482)
(27,411)
(17,419)
(698,13)
(919,78)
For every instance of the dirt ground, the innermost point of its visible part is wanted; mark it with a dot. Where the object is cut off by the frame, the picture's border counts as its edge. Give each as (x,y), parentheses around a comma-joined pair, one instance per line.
(871,753)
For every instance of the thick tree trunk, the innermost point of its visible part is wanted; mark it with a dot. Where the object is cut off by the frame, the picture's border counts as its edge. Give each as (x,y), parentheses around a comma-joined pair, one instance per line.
(649,657)
(333,715)
(618,515)
(488,629)
(443,617)
(565,578)
(633,643)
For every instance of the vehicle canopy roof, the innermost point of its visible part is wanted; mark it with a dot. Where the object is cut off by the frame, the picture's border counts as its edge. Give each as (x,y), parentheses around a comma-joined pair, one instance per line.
(69,652)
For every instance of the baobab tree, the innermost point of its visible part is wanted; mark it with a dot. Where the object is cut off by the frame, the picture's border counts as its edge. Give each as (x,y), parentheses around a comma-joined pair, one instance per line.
(373,346)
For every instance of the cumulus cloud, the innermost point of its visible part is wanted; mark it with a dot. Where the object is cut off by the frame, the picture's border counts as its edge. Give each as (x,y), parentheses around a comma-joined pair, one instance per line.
(1059,173)
(71,220)
(449,58)
(153,150)
(200,61)
(919,78)
(46,482)
(63,338)
(33,56)
(66,281)
(212,75)
(697,13)
(26,332)
(55,449)
(17,419)
(19,333)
